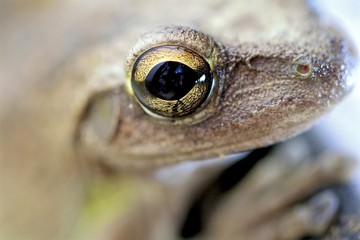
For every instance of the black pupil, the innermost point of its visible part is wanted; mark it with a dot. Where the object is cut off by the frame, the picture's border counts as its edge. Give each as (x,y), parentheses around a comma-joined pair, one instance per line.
(171,80)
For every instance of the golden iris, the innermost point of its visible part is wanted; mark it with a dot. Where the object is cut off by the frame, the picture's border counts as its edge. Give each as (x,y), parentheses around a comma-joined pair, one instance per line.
(171,81)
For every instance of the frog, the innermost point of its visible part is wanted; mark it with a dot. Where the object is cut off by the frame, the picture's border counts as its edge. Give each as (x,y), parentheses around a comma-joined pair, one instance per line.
(85,145)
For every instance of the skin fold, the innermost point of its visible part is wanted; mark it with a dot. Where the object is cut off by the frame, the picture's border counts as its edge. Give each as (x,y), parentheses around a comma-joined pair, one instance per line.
(69,120)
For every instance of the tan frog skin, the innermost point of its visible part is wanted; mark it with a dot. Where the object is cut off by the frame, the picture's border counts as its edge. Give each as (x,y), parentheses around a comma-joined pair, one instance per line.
(260,99)
(54,66)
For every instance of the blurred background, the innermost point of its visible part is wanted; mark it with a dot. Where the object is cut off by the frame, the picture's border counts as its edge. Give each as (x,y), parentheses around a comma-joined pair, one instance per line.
(341,128)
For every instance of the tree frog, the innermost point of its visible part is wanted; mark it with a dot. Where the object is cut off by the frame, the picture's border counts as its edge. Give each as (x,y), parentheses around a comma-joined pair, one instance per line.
(112,114)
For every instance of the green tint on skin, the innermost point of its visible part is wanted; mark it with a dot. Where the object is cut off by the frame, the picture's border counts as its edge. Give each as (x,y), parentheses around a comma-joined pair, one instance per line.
(107,199)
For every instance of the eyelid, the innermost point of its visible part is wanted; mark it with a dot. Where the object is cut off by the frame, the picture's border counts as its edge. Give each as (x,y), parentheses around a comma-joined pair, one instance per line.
(186,37)
(195,41)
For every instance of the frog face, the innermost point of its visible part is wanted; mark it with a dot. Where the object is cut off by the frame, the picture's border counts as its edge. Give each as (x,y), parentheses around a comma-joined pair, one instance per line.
(251,96)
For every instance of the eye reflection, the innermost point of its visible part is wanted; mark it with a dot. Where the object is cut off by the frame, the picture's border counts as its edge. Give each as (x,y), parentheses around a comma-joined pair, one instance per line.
(171,80)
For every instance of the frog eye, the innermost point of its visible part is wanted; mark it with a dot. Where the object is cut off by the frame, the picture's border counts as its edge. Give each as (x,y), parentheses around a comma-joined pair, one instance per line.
(100,118)
(171,81)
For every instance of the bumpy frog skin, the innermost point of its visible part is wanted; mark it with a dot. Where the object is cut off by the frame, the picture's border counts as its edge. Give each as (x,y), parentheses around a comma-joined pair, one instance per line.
(59,117)
(260,97)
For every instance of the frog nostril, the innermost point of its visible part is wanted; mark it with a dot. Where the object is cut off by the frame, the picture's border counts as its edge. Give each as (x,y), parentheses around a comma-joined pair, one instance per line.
(304,70)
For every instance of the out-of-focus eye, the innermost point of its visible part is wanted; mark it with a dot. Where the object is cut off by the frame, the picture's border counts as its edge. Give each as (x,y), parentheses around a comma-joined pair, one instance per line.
(100,118)
(171,81)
